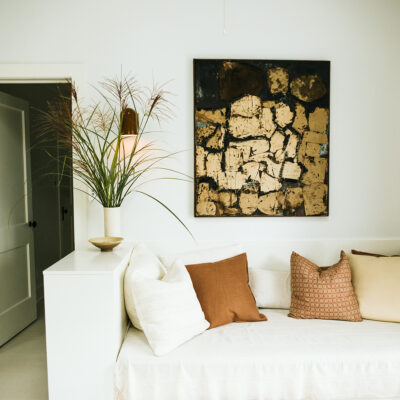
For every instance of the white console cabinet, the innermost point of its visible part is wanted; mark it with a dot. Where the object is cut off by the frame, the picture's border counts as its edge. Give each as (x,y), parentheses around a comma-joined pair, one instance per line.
(85,322)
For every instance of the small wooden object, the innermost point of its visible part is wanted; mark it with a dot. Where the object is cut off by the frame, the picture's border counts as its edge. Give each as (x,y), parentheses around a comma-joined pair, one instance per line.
(106,243)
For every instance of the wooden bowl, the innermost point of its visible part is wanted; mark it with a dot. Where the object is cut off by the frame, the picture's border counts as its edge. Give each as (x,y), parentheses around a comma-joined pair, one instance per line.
(106,243)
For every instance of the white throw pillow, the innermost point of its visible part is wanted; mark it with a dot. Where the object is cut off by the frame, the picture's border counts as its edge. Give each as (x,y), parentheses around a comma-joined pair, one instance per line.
(143,265)
(172,314)
(271,289)
(167,309)
(200,256)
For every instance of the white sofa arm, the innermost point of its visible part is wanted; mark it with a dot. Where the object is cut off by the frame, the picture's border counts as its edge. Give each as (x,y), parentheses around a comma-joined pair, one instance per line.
(85,322)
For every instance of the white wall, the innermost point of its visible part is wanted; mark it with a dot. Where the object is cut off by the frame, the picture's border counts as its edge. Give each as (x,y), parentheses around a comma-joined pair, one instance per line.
(160,38)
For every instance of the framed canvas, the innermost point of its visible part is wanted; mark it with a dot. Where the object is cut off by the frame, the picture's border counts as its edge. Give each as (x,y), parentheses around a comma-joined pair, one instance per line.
(261,136)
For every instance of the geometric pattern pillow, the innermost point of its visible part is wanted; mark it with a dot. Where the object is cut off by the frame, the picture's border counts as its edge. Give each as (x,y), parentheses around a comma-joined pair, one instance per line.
(322,292)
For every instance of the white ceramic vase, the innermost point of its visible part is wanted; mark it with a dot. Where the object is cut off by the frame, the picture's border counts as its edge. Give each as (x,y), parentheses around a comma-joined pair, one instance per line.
(112,221)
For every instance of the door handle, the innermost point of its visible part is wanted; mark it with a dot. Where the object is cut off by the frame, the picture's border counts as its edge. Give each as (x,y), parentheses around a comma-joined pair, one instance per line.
(32,224)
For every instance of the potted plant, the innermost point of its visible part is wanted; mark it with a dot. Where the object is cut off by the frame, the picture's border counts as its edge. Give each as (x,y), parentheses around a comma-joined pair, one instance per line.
(108,155)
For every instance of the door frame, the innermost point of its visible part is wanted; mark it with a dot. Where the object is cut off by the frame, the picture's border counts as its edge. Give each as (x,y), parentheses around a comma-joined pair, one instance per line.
(56,73)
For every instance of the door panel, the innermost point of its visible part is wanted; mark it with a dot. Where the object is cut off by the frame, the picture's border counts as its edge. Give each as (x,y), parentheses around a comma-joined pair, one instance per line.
(14,277)
(12,167)
(17,270)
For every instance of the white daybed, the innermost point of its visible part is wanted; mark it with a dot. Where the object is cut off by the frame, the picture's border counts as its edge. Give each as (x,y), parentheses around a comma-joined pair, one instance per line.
(282,358)
(92,356)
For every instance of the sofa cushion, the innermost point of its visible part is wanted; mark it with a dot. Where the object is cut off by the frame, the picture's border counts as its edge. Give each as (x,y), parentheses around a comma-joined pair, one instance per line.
(271,288)
(222,288)
(376,283)
(143,264)
(166,307)
(203,255)
(282,358)
(322,292)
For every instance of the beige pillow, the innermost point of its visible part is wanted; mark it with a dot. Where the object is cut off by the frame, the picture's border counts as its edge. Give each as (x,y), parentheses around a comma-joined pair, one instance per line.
(376,282)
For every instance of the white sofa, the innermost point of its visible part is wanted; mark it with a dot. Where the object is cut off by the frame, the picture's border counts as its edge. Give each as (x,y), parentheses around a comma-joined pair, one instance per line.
(282,358)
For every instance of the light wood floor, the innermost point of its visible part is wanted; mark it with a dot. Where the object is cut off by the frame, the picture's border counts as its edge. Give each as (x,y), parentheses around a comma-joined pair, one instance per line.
(23,371)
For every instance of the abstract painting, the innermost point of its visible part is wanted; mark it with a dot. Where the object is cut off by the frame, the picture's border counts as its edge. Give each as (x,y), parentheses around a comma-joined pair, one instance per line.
(261,133)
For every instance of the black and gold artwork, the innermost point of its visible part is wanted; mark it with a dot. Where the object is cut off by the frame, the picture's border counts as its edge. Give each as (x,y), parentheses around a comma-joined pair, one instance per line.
(261,132)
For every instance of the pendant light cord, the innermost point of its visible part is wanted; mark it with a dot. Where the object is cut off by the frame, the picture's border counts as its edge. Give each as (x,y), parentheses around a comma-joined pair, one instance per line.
(224,17)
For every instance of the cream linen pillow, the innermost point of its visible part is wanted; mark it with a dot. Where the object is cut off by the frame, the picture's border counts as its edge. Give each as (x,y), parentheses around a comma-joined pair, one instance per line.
(142,265)
(376,282)
(168,309)
(206,255)
(270,288)
(165,307)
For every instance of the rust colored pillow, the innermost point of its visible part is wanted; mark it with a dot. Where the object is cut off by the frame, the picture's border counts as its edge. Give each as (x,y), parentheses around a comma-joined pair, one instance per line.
(363,253)
(223,290)
(322,292)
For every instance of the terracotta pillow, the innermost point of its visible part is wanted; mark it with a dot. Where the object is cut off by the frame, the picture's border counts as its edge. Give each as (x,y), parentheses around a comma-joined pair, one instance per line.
(322,292)
(363,253)
(223,290)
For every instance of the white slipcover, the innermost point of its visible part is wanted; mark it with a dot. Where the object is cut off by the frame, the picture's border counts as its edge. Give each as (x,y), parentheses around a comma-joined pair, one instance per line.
(279,359)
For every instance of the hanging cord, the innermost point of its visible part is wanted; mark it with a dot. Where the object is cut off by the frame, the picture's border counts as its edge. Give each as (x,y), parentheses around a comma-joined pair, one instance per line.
(224,16)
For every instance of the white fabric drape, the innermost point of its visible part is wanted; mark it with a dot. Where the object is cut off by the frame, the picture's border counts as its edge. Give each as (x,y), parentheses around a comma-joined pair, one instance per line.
(282,358)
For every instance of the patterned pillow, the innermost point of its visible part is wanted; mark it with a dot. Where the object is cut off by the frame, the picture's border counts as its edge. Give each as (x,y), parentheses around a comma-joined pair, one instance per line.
(322,292)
